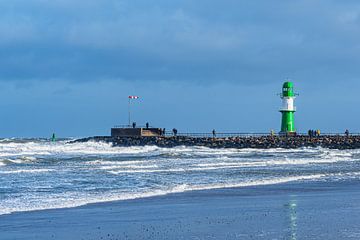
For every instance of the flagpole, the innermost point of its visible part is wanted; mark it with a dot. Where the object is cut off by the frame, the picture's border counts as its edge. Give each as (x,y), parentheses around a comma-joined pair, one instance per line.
(129,110)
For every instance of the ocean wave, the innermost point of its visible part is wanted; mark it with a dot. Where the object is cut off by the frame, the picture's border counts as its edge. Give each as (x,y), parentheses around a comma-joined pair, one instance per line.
(116,163)
(130,167)
(95,172)
(154,168)
(23,159)
(75,201)
(116,172)
(66,150)
(26,171)
(205,167)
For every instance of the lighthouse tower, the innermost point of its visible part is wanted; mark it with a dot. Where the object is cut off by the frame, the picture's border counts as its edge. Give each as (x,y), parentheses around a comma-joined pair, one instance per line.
(288,109)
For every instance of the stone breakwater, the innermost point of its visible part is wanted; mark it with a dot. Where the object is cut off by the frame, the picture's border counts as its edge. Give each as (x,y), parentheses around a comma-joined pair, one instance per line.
(262,142)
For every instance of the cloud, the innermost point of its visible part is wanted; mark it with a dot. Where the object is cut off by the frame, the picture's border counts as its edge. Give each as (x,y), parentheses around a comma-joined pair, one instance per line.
(205,41)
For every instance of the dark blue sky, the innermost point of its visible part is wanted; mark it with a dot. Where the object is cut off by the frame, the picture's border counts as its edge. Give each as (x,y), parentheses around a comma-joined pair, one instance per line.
(68,66)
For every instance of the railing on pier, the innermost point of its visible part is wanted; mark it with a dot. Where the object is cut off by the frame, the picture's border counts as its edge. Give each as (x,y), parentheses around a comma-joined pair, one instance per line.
(220,134)
(131,126)
(233,134)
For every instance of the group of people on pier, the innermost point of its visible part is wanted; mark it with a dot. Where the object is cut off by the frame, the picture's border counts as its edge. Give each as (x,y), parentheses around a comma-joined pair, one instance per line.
(311,132)
(314,133)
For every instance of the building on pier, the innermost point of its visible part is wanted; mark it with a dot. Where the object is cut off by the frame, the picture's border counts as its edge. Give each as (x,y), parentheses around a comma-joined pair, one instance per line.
(119,131)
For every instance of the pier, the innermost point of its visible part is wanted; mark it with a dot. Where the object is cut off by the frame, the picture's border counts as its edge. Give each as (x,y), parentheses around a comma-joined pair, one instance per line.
(237,141)
(288,137)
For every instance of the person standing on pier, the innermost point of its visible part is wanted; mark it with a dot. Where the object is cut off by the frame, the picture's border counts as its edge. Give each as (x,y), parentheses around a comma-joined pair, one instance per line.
(214,133)
(147,125)
(174,132)
(347,132)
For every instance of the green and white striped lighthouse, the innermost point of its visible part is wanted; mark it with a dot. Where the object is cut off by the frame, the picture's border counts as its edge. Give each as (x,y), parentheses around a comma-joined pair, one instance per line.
(288,109)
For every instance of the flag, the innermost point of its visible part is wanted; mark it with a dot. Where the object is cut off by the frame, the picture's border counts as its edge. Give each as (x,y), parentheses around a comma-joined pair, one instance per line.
(133,97)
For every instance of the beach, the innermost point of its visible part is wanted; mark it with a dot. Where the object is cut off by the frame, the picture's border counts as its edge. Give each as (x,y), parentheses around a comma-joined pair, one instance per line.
(316,210)
(92,190)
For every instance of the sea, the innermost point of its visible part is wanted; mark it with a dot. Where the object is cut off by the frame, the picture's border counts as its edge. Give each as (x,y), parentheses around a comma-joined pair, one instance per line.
(37,174)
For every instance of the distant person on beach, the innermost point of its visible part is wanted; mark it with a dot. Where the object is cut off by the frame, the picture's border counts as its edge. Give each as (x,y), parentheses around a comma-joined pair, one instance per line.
(214,133)
(347,132)
(309,133)
(147,125)
(174,132)
(163,132)
(318,133)
(134,125)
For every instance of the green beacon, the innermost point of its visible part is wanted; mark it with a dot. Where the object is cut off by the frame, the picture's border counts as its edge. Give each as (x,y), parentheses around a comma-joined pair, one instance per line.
(288,110)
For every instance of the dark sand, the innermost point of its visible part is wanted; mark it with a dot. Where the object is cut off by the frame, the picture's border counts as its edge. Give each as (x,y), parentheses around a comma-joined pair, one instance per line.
(287,211)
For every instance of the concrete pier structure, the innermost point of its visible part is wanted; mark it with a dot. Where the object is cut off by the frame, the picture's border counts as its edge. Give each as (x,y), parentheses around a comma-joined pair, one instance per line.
(136,132)
(260,142)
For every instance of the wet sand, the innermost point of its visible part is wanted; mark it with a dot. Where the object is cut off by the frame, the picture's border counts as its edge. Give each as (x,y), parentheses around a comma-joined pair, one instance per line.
(317,210)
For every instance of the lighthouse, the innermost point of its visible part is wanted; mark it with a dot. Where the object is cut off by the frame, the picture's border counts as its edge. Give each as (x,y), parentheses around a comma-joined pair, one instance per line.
(288,109)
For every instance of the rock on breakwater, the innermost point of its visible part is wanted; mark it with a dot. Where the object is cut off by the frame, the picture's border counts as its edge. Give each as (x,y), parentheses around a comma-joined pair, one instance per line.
(260,142)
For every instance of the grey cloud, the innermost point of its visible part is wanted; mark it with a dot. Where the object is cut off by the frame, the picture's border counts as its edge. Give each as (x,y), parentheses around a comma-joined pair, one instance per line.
(179,40)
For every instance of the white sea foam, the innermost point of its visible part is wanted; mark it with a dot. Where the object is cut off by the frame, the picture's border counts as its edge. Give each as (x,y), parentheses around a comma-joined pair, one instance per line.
(116,172)
(74,201)
(8,161)
(139,169)
(97,172)
(129,167)
(262,182)
(62,149)
(116,163)
(26,171)
(68,150)
(116,169)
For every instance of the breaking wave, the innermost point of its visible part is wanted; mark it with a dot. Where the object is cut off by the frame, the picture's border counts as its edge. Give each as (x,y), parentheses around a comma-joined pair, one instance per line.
(38,174)
(61,202)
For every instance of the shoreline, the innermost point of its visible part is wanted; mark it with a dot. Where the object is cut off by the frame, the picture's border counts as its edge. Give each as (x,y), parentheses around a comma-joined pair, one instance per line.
(180,190)
(324,210)
(257,142)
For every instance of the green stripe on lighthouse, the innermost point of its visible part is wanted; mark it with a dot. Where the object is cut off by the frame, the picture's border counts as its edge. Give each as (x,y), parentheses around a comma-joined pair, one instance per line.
(288,109)
(287,122)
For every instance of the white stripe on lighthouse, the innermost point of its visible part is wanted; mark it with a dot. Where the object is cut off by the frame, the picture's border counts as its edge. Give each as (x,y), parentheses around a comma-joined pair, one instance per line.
(288,104)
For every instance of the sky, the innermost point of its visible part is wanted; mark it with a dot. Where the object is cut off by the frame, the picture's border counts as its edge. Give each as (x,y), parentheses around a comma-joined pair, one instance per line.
(68,66)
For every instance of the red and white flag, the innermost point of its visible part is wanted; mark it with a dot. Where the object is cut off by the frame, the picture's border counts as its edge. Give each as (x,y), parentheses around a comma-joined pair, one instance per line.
(133,97)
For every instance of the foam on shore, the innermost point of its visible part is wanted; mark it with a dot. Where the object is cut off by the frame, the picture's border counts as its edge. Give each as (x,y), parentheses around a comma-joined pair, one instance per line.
(58,202)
